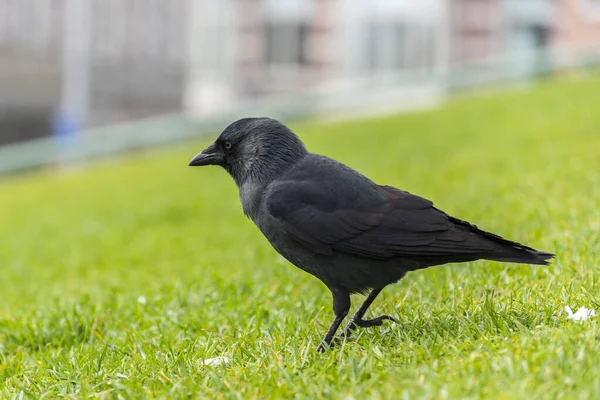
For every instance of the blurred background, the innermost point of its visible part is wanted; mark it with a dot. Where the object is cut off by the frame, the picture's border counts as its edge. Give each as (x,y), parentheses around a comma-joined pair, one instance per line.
(85,78)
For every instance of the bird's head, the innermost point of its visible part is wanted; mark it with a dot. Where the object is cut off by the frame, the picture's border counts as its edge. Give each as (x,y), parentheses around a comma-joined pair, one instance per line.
(253,148)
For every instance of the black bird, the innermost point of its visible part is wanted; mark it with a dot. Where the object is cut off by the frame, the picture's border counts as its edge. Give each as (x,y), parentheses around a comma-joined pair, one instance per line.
(354,235)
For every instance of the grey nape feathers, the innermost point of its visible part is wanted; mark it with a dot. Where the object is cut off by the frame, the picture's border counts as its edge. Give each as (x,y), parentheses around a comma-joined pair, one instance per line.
(354,235)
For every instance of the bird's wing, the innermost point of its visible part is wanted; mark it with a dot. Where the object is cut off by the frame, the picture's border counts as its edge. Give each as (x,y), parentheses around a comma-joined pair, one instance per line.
(386,223)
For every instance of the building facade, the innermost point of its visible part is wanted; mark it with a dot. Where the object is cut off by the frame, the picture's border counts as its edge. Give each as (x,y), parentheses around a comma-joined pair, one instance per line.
(578,30)
(97,61)
(107,61)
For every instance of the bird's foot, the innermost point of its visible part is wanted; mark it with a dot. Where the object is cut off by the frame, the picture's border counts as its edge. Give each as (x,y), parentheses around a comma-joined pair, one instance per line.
(323,347)
(352,325)
(366,323)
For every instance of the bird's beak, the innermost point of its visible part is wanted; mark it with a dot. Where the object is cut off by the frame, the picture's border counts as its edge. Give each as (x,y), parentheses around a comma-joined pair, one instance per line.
(208,156)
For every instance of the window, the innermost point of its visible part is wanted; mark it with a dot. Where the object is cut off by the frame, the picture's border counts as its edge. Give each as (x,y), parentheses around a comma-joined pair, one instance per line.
(285,43)
(286,28)
(386,45)
(398,45)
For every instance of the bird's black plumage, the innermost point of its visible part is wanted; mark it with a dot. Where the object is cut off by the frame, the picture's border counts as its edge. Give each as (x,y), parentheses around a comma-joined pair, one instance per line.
(329,220)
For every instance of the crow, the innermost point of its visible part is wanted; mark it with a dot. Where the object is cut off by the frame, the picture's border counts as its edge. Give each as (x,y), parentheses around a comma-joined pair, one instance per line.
(354,235)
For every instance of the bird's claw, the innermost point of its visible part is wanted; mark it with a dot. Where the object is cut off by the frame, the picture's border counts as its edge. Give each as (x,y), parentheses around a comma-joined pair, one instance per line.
(353,324)
(366,323)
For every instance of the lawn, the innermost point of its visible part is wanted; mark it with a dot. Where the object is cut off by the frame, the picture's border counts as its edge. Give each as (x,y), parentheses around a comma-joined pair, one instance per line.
(120,279)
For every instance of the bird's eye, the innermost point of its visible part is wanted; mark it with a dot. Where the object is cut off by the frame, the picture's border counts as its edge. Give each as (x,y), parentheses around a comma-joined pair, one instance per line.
(227,145)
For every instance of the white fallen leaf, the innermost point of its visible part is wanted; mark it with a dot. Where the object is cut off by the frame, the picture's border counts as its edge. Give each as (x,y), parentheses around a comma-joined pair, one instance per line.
(569,311)
(213,362)
(142,300)
(583,314)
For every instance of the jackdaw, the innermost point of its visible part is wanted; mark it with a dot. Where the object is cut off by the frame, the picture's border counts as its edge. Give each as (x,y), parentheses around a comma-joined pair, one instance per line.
(331,221)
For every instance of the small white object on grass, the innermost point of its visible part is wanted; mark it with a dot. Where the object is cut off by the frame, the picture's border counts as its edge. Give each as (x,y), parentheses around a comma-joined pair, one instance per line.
(213,362)
(142,300)
(581,315)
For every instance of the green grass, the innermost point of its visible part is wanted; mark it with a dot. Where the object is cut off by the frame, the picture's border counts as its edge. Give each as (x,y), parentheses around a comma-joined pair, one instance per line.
(79,248)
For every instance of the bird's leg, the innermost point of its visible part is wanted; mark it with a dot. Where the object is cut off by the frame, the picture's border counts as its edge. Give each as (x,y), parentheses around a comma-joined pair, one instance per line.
(341,306)
(357,319)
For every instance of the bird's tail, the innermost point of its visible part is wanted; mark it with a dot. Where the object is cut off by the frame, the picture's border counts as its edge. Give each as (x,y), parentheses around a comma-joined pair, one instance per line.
(523,256)
(501,249)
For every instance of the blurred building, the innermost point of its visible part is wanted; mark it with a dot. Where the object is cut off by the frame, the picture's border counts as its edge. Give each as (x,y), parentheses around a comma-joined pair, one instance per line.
(577,27)
(248,49)
(578,22)
(29,71)
(477,29)
(98,62)
(95,61)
